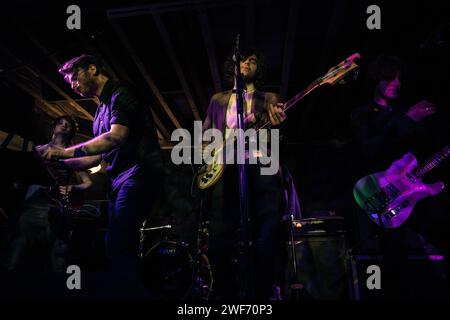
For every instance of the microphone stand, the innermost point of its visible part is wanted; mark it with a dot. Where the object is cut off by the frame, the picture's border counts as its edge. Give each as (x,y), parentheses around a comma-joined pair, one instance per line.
(245,257)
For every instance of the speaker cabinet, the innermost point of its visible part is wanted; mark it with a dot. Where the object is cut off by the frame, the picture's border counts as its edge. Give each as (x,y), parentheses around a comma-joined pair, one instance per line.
(319,258)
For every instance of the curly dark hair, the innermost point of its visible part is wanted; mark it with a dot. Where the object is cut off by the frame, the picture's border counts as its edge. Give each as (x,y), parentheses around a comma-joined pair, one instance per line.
(385,68)
(245,53)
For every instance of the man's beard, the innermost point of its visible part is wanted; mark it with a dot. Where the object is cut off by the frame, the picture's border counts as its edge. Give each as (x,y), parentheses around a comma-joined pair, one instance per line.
(90,88)
(249,78)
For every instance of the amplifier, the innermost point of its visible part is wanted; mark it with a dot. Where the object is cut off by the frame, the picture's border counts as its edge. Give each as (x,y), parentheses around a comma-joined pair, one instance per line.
(317,267)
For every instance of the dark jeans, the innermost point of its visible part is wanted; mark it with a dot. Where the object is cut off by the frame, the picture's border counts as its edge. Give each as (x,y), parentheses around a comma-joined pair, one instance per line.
(265,210)
(40,241)
(129,207)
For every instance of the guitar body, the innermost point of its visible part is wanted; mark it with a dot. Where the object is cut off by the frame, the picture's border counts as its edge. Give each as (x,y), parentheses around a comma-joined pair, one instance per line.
(209,174)
(66,203)
(392,194)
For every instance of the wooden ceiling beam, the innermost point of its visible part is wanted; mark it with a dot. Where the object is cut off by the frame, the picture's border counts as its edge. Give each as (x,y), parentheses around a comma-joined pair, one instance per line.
(160,125)
(176,64)
(210,47)
(49,82)
(143,70)
(45,105)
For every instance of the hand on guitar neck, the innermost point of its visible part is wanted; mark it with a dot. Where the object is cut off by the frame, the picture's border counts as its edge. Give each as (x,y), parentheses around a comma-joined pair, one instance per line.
(275,113)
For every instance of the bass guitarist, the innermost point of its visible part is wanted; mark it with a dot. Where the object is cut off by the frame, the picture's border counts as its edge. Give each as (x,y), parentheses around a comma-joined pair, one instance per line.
(264,190)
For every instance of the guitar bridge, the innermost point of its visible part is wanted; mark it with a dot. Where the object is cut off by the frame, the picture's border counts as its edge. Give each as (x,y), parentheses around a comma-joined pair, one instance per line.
(393,212)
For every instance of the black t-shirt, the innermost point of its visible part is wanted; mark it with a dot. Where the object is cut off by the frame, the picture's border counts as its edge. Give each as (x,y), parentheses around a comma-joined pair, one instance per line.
(384,135)
(140,154)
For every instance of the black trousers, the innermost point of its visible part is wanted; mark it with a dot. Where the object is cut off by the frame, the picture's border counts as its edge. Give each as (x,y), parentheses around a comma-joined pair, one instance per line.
(265,210)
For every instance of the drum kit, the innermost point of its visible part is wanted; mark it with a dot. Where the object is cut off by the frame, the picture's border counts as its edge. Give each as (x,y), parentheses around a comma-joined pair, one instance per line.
(171,269)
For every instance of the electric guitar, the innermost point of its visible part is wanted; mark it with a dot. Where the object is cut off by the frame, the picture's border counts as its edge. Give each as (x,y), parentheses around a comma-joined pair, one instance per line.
(66,202)
(389,197)
(209,174)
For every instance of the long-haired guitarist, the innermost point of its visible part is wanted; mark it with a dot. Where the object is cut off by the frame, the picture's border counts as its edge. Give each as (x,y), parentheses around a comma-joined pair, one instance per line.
(264,190)
(41,239)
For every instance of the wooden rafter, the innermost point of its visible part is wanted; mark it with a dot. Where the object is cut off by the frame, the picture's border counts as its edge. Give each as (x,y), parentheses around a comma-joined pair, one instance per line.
(38,44)
(37,73)
(210,49)
(160,125)
(109,53)
(72,102)
(93,50)
(44,104)
(338,16)
(145,73)
(176,64)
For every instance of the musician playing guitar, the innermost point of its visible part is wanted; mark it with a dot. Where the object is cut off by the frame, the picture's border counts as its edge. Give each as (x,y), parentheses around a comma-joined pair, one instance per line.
(264,191)
(385,131)
(42,233)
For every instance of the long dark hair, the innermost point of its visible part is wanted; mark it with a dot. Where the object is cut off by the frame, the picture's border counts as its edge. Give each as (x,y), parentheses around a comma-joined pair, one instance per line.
(245,53)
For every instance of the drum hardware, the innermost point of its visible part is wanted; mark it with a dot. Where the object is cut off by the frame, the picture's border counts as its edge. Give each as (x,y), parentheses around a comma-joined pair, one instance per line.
(171,270)
(167,226)
(142,238)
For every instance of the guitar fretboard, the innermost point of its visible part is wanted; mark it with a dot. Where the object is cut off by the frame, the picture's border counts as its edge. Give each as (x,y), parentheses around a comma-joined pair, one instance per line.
(291,102)
(432,162)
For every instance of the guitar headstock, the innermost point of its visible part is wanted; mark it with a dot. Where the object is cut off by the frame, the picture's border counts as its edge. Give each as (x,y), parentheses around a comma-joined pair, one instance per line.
(338,73)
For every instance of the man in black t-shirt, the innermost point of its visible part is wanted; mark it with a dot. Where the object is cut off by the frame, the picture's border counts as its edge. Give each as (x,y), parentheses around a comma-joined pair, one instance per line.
(125,138)
(384,132)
